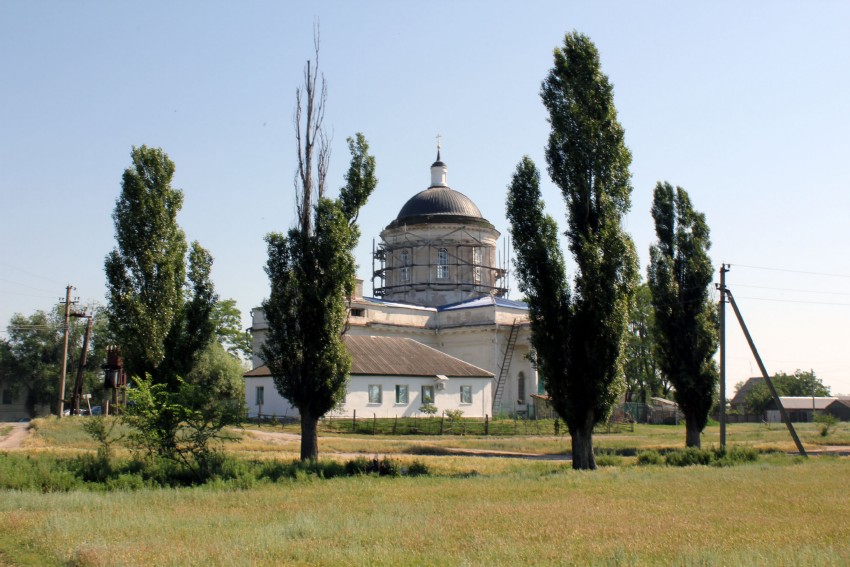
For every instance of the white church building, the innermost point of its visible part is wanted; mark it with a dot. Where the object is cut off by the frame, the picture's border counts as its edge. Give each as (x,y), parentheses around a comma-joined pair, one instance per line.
(441,330)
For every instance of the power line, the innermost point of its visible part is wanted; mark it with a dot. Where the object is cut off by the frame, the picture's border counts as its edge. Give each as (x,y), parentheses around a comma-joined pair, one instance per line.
(25,285)
(31,274)
(794,301)
(792,271)
(793,289)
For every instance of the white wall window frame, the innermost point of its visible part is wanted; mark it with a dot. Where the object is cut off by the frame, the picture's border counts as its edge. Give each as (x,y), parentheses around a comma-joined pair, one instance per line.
(466,395)
(402,394)
(427,394)
(376,394)
(405,266)
(476,264)
(442,264)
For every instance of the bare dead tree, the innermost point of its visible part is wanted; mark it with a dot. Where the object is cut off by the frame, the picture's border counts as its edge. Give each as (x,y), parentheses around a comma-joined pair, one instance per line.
(311,139)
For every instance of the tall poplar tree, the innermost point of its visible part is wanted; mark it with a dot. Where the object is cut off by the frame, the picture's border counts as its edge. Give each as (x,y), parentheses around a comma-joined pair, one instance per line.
(312,271)
(159,312)
(679,273)
(589,162)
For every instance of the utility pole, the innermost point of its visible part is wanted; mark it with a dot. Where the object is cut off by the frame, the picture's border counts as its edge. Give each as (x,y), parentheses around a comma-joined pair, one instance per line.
(67,303)
(78,385)
(722,309)
(765,375)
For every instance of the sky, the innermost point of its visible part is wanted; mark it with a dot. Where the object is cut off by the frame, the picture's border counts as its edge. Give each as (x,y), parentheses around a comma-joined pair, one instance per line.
(745,105)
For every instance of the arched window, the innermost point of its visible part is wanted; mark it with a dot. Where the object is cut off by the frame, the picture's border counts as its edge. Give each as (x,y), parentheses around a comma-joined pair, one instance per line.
(476,264)
(405,266)
(442,264)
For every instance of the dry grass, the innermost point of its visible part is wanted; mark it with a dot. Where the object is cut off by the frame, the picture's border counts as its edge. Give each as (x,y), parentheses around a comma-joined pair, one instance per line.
(534,514)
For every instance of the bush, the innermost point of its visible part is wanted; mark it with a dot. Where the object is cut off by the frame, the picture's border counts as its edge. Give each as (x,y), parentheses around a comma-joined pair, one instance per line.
(735,456)
(609,460)
(418,468)
(826,421)
(650,457)
(688,457)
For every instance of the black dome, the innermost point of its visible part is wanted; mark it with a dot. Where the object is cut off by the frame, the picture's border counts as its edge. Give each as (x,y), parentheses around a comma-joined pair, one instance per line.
(442,201)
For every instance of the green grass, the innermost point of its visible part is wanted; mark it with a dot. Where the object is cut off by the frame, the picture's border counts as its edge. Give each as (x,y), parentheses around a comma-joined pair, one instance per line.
(779,509)
(5,430)
(762,514)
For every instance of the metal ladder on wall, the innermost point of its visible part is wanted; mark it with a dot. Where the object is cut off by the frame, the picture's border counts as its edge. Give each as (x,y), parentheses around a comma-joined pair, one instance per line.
(505,368)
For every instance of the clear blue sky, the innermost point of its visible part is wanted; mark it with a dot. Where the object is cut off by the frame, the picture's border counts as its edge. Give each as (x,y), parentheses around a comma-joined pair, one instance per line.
(745,105)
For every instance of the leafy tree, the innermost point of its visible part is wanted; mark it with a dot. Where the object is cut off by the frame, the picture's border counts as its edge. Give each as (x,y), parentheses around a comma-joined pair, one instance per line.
(578,337)
(643,376)
(31,357)
(159,316)
(800,383)
(312,273)
(680,272)
(219,374)
(227,322)
(159,311)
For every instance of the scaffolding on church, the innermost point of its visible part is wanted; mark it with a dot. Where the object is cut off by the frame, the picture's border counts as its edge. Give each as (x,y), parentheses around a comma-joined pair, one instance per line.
(456,265)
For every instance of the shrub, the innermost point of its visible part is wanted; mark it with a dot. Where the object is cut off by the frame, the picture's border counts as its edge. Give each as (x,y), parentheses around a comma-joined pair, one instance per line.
(826,421)
(418,468)
(609,460)
(358,466)
(429,409)
(650,457)
(735,456)
(454,415)
(389,467)
(688,457)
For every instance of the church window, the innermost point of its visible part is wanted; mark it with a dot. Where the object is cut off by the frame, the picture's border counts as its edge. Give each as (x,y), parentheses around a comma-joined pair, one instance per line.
(375,394)
(401,393)
(476,264)
(520,388)
(405,266)
(427,394)
(260,395)
(442,264)
(466,394)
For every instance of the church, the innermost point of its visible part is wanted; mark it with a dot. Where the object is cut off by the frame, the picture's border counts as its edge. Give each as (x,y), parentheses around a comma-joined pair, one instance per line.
(439,331)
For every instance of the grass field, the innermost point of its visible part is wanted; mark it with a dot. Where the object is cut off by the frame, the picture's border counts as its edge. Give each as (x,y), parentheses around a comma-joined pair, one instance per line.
(781,510)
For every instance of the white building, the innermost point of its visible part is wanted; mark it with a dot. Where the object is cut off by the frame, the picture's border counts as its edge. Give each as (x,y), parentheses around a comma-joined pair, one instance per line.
(438,283)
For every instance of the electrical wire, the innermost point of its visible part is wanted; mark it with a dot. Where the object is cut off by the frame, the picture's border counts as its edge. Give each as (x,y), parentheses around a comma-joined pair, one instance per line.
(793,289)
(791,271)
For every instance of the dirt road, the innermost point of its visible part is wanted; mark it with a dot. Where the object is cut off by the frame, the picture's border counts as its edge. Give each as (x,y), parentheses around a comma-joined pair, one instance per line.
(15,438)
(280,437)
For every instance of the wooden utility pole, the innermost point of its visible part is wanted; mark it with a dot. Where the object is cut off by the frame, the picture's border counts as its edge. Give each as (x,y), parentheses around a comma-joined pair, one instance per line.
(722,310)
(764,374)
(67,303)
(78,385)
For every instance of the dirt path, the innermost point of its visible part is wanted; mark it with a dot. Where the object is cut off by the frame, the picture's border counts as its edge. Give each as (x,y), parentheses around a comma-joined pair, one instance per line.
(16,437)
(280,437)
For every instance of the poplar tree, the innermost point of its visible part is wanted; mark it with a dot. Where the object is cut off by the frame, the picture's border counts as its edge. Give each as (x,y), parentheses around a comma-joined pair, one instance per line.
(159,313)
(679,275)
(589,162)
(312,272)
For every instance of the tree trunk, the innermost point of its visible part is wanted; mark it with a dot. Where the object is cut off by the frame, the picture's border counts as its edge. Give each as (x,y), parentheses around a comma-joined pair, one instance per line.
(582,441)
(692,435)
(309,437)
